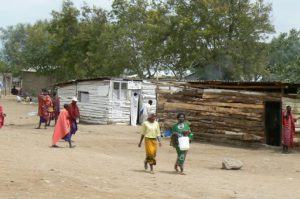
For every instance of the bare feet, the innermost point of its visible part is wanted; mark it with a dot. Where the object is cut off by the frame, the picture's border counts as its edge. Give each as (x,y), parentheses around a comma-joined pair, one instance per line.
(176,168)
(70,144)
(145,165)
(181,170)
(152,172)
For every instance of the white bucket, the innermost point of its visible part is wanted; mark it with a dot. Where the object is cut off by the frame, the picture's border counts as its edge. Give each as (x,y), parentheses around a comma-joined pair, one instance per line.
(184,143)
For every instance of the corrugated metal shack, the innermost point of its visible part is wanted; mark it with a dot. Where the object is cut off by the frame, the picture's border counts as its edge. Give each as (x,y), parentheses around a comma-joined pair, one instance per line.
(106,100)
(229,112)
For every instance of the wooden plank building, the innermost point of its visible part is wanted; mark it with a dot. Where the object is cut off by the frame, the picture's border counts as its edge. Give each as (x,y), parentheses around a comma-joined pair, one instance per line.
(232,112)
(106,100)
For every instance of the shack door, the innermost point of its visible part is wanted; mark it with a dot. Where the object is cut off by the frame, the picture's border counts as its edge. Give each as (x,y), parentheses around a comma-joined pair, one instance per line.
(273,123)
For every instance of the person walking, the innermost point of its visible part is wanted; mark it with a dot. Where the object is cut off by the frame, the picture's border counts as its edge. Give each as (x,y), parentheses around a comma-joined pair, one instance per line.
(74,115)
(62,128)
(181,128)
(56,106)
(44,102)
(151,135)
(2,116)
(147,110)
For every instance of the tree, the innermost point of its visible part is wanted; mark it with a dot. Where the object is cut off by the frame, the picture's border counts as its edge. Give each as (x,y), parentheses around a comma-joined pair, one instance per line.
(13,41)
(284,59)
(35,52)
(64,31)
(219,39)
(219,35)
(142,26)
(96,44)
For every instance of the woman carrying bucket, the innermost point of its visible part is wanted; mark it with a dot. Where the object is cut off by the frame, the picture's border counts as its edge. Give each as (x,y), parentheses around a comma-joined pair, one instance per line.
(181,134)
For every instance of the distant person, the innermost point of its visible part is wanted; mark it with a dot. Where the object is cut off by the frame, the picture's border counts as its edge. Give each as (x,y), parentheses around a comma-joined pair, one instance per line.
(56,106)
(1,88)
(44,103)
(51,110)
(28,99)
(42,113)
(134,109)
(2,116)
(14,91)
(49,106)
(147,110)
(288,130)
(181,128)
(19,99)
(62,128)
(21,92)
(151,134)
(74,115)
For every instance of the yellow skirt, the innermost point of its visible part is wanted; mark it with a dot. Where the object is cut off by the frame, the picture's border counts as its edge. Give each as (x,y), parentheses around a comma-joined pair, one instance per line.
(150,146)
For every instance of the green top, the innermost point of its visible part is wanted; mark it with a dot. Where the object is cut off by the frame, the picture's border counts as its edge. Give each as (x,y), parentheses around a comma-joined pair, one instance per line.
(180,128)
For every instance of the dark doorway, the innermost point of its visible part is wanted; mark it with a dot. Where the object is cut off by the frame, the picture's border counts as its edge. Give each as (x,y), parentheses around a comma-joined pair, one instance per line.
(273,123)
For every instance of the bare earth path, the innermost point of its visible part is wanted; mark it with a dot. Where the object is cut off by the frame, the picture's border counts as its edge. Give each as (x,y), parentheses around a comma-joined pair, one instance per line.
(107,163)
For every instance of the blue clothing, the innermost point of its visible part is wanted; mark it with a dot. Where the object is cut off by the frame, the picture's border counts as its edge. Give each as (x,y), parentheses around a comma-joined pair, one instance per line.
(73,130)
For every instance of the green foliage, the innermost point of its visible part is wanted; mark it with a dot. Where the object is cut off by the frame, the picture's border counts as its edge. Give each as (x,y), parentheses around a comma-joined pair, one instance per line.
(284,59)
(35,52)
(222,38)
(3,67)
(14,38)
(219,39)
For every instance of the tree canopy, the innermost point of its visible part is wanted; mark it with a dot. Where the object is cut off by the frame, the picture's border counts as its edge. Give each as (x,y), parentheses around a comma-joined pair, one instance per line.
(217,39)
(284,58)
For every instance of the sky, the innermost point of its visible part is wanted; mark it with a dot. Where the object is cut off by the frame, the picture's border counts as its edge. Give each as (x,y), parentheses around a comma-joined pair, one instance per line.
(285,14)
(29,11)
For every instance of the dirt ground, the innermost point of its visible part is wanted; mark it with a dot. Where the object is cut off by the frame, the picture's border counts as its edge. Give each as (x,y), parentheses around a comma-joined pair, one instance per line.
(107,163)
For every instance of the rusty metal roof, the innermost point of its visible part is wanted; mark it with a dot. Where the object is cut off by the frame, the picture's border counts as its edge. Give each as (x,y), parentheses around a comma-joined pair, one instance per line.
(95,79)
(252,86)
(243,83)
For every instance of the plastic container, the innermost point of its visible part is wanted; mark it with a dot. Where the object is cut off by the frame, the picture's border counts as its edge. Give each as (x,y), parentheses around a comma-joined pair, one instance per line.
(167,133)
(184,143)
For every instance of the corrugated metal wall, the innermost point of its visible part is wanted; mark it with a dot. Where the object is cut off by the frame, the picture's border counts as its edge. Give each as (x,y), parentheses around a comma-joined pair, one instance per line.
(94,111)
(102,108)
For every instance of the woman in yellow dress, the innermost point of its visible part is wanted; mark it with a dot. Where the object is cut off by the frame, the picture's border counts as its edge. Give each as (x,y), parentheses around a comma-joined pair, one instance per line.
(151,133)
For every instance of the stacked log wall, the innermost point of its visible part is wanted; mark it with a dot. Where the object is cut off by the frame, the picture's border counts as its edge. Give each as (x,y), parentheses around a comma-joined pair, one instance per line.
(215,114)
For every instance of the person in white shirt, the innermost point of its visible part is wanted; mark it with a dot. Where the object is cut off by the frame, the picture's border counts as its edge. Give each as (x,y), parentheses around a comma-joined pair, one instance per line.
(147,110)
(134,109)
